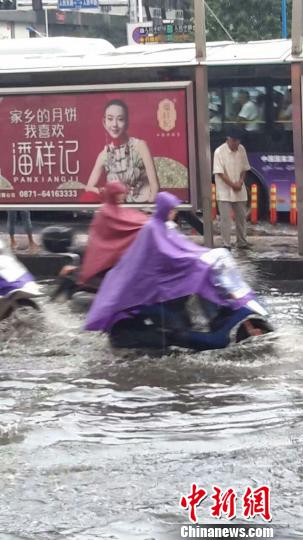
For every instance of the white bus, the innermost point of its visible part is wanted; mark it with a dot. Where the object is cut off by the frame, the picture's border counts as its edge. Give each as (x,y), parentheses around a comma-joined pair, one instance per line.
(258,72)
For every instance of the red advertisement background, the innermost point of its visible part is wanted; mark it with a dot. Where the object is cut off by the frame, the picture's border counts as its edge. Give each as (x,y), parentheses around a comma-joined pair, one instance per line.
(88,130)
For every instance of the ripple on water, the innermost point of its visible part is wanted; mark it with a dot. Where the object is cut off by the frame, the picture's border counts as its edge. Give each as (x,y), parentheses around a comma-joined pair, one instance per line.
(87,434)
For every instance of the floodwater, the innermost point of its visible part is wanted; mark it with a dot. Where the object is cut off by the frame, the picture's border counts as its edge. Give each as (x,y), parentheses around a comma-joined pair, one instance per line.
(95,445)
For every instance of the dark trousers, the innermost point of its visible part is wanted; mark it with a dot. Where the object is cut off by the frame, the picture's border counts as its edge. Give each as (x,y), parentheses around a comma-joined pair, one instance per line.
(12,217)
(134,333)
(191,218)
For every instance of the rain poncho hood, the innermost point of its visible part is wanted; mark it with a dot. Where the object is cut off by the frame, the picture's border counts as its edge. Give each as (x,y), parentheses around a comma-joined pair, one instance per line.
(161,265)
(112,230)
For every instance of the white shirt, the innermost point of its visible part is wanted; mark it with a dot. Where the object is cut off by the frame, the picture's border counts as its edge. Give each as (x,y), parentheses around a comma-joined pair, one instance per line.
(215,123)
(250,112)
(233,164)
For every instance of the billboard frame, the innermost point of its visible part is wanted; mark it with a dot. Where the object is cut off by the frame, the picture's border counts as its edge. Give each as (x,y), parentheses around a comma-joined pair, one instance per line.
(66,89)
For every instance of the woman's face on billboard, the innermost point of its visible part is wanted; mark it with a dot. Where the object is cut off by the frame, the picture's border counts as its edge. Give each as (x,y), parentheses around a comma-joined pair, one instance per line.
(115,121)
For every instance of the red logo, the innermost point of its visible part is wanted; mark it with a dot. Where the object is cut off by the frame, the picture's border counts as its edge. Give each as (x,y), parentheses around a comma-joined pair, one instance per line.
(253,503)
(224,503)
(193,500)
(257,502)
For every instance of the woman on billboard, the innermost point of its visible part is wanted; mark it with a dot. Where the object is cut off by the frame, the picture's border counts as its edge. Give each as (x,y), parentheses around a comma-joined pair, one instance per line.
(124,158)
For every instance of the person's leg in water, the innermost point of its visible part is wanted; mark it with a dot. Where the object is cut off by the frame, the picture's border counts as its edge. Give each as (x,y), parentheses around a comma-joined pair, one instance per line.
(173,315)
(133,333)
(66,283)
(216,315)
(27,225)
(11,226)
(164,319)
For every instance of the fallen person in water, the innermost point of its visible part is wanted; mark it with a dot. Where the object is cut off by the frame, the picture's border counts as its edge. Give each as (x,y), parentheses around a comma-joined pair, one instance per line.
(164,325)
(162,266)
(17,286)
(112,230)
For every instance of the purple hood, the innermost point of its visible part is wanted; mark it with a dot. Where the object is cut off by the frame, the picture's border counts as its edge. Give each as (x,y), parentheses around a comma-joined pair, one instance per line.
(160,265)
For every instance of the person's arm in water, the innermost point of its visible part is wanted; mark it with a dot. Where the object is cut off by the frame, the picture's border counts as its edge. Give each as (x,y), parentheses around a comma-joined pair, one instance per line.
(95,174)
(149,165)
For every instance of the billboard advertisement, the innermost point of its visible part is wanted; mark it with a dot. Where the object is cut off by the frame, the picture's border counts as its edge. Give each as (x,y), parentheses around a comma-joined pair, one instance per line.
(166,32)
(60,147)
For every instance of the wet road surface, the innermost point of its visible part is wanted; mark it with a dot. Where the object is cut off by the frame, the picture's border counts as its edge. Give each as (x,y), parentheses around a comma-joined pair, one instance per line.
(98,445)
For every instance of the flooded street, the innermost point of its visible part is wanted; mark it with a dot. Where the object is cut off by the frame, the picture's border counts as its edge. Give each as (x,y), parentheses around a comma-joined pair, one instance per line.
(97,446)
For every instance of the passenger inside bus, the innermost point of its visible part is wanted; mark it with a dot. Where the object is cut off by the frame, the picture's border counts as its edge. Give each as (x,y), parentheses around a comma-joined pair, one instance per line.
(260,102)
(248,115)
(285,114)
(215,117)
(282,115)
(245,106)
(278,98)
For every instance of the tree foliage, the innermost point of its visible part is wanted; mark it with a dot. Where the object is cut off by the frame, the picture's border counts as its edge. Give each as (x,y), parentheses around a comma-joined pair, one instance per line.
(246,20)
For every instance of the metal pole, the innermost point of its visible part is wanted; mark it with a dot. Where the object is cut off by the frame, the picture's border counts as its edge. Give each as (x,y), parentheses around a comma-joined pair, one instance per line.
(46,21)
(284,19)
(140,11)
(133,18)
(296,81)
(202,123)
(200,30)
(296,27)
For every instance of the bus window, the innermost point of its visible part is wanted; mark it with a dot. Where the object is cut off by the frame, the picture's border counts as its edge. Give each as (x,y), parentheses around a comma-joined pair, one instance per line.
(246,107)
(282,107)
(215,110)
(281,132)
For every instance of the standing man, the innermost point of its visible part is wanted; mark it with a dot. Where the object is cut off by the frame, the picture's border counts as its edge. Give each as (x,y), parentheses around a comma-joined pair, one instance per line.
(230,167)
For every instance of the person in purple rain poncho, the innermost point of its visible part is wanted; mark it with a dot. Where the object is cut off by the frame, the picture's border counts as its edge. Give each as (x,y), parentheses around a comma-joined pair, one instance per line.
(141,301)
(17,286)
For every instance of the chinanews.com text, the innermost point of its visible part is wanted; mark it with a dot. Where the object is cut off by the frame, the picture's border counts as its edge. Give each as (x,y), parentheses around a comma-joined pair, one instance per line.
(221,531)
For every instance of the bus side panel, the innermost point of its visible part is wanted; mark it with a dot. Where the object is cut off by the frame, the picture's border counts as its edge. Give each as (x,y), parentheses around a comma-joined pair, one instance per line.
(275,169)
